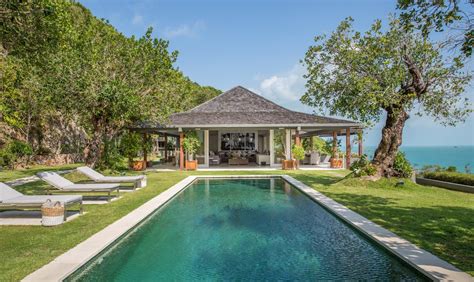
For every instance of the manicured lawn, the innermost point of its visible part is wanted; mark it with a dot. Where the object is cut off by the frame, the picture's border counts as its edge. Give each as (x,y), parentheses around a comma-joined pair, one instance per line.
(438,220)
(7,175)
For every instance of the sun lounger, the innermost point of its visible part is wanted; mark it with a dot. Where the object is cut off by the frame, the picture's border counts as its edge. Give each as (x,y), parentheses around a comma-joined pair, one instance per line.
(64,185)
(12,199)
(139,181)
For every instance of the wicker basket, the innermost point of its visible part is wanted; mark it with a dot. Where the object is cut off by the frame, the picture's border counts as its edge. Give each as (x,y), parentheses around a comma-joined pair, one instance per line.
(52,213)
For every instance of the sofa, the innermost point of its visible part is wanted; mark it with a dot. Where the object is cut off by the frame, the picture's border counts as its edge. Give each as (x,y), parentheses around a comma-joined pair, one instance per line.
(263,158)
(214,159)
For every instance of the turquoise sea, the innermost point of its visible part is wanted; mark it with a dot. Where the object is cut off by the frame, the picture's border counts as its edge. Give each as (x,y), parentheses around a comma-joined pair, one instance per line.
(461,157)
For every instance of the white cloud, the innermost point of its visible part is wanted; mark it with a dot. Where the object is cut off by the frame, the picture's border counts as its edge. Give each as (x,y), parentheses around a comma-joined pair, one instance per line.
(288,86)
(185,30)
(137,19)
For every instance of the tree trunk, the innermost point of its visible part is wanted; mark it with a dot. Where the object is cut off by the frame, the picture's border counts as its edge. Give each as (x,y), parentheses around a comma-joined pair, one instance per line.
(93,148)
(391,140)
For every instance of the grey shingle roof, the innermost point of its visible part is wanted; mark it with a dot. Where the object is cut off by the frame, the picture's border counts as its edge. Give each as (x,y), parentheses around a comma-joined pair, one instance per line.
(241,106)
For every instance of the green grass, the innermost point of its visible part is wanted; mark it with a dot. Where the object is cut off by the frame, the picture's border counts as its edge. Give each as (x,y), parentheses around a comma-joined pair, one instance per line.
(7,175)
(438,220)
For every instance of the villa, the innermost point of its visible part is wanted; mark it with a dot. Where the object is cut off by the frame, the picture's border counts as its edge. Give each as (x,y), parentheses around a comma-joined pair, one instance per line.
(239,127)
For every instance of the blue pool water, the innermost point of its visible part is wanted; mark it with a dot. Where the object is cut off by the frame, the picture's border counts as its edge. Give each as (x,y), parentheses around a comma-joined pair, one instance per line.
(244,229)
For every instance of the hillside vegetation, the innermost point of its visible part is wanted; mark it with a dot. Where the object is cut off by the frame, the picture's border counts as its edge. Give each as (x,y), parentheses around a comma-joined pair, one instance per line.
(70,82)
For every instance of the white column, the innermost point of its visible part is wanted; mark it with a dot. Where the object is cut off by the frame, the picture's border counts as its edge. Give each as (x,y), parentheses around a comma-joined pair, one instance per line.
(206,148)
(271,146)
(288,144)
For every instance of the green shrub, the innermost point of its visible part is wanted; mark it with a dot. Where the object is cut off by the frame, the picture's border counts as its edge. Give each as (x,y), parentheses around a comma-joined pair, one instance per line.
(191,143)
(318,144)
(448,176)
(112,157)
(14,152)
(130,145)
(451,169)
(402,166)
(298,152)
(363,167)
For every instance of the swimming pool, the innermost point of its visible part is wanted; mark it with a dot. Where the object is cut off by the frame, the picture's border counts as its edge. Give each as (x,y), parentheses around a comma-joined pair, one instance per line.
(244,229)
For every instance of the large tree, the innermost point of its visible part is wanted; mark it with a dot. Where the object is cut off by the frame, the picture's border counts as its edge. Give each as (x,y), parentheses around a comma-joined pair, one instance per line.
(384,72)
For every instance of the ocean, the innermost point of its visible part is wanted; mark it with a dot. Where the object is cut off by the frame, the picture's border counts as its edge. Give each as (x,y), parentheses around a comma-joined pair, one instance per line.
(461,157)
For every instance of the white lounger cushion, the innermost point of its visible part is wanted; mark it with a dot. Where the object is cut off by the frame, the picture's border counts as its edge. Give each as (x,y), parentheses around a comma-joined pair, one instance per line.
(55,179)
(122,178)
(89,172)
(94,175)
(6,192)
(91,187)
(9,195)
(138,180)
(63,184)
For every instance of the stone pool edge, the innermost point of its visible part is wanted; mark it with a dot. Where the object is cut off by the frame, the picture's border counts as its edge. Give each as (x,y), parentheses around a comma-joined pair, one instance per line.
(425,262)
(67,263)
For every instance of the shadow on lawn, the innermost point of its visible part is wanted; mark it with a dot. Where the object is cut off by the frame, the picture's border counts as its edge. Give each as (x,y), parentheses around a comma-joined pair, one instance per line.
(20,173)
(446,231)
(315,180)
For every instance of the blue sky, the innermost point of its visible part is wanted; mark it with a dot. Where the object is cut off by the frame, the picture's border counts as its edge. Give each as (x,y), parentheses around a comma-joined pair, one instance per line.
(258,44)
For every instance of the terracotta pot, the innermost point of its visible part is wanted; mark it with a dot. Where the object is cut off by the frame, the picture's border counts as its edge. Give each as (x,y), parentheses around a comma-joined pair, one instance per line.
(289,165)
(191,165)
(336,163)
(137,165)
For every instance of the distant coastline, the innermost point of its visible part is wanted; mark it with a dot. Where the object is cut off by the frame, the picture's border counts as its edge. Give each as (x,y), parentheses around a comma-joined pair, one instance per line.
(460,156)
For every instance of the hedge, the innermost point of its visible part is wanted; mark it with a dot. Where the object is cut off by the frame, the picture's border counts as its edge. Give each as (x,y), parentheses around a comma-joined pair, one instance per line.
(454,177)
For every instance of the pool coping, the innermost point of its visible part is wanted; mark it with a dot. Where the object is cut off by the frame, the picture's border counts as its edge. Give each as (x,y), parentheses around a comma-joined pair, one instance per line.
(425,262)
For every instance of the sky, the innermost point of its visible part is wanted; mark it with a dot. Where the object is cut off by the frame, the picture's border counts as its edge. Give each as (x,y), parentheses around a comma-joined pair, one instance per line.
(259,44)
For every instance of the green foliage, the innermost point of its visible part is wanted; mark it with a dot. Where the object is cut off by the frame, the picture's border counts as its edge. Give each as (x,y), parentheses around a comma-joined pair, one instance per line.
(429,16)
(402,166)
(451,176)
(65,72)
(361,75)
(279,142)
(14,152)
(363,167)
(191,143)
(451,169)
(130,145)
(112,159)
(318,145)
(298,152)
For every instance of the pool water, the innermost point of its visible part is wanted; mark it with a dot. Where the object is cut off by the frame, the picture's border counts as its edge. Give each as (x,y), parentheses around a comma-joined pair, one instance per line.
(244,229)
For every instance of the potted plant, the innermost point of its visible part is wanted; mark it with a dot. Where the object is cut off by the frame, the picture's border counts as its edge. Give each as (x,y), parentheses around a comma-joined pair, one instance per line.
(298,153)
(336,162)
(191,144)
(130,146)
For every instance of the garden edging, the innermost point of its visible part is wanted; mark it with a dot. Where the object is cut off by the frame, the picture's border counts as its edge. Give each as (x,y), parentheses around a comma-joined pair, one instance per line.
(444,184)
